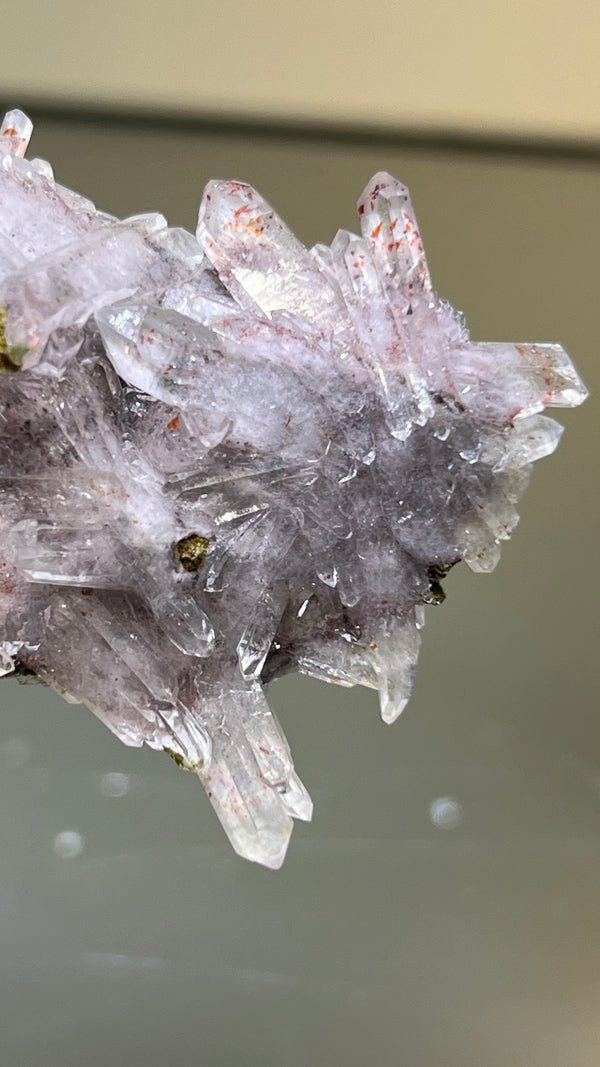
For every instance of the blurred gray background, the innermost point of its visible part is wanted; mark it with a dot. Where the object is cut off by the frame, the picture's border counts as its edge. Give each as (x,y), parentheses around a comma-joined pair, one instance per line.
(443,909)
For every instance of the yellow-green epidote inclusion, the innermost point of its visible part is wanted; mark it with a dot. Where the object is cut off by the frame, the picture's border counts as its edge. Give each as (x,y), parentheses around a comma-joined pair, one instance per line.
(226,456)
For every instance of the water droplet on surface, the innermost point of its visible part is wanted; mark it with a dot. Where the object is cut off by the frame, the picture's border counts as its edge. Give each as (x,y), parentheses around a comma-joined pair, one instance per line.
(16,752)
(68,844)
(446,813)
(115,784)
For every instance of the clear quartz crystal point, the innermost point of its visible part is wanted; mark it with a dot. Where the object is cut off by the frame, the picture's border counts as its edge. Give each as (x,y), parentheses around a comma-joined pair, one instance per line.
(250,779)
(226,456)
(15,132)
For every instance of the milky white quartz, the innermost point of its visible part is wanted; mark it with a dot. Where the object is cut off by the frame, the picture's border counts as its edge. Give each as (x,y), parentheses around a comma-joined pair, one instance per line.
(225,457)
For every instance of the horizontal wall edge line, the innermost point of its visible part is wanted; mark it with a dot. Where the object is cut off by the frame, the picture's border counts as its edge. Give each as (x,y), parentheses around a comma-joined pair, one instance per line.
(279,127)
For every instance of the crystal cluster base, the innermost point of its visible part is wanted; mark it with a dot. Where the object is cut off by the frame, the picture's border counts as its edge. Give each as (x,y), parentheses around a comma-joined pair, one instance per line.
(225,456)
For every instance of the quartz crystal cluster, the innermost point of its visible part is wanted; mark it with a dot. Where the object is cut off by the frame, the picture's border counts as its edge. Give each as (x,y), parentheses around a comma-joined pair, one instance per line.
(225,456)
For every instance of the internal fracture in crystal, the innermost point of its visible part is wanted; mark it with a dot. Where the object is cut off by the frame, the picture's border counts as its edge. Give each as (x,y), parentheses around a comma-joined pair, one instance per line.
(225,456)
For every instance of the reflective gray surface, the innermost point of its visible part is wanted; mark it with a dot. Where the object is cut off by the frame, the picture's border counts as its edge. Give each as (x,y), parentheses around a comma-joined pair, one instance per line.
(443,908)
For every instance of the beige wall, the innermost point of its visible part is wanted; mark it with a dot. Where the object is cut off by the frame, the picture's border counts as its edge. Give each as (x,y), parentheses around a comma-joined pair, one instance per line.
(508,66)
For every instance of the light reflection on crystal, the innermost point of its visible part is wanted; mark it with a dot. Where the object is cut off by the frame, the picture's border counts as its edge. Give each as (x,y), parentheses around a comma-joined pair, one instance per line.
(314,426)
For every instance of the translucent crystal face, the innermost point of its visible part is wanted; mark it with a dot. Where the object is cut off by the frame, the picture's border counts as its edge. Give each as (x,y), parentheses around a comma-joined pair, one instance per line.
(226,457)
